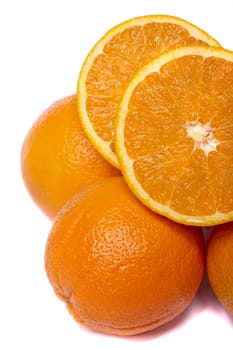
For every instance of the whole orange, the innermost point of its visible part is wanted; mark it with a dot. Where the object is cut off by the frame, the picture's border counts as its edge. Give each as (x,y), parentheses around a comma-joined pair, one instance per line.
(220,264)
(119,267)
(57,159)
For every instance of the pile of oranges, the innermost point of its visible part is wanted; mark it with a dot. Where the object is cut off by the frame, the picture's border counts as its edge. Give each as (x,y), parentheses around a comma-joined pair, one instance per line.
(130,169)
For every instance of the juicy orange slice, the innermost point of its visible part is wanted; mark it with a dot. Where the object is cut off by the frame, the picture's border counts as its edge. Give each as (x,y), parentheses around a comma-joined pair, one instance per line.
(114,60)
(174,135)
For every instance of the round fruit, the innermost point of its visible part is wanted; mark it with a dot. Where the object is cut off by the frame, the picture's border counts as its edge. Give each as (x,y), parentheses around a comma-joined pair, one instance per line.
(112,62)
(57,159)
(119,267)
(174,132)
(220,264)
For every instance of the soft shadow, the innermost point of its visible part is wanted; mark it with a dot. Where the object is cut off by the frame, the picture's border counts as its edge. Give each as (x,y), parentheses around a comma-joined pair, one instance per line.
(205,298)
(207,233)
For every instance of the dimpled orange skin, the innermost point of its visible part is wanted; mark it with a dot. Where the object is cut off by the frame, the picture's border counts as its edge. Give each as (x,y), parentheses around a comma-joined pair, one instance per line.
(120,268)
(57,159)
(220,264)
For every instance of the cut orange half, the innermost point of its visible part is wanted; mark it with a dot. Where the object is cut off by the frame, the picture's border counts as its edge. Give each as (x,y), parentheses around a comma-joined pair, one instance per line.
(174,135)
(114,60)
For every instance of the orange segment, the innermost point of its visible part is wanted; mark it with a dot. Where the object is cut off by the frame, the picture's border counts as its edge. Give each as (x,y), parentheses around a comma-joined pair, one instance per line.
(175,155)
(112,63)
(184,85)
(193,192)
(221,171)
(218,89)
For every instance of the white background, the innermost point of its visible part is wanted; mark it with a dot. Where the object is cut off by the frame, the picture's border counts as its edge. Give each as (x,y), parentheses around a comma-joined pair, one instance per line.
(43,44)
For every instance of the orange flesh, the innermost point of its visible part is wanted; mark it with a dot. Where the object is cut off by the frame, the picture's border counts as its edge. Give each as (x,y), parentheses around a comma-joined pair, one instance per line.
(122,56)
(167,163)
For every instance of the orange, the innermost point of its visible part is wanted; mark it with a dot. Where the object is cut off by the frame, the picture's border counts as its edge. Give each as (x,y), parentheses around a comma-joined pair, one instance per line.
(119,267)
(57,159)
(220,264)
(112,62)
(174,134)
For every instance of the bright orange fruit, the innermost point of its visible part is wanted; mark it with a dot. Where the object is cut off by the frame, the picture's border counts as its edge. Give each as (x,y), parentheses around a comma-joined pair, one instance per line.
(57,159)
(174,134)
(220,264)
(119,267)
(112,62)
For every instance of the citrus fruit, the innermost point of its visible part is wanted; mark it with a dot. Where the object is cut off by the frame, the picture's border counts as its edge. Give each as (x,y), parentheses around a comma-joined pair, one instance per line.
(57,159)
(174,134)
(220,264)
(119,267)
(113,61)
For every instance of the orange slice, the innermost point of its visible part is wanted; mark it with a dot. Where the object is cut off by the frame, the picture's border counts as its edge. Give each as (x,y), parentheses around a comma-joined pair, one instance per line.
(114,60)
(174,135)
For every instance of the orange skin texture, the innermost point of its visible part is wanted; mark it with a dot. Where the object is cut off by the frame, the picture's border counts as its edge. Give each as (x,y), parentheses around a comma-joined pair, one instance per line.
(57,159)
(119,267)
(220,264)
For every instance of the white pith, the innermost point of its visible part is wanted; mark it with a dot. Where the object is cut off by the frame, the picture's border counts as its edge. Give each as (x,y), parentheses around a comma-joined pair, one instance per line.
(202,135)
